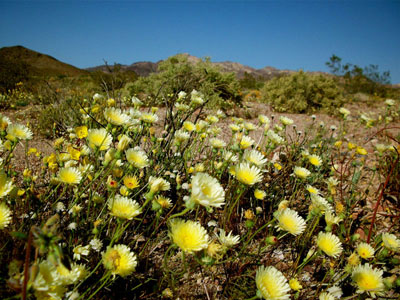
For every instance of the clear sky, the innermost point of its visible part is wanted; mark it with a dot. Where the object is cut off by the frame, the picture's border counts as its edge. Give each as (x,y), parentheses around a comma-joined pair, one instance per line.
(283,34)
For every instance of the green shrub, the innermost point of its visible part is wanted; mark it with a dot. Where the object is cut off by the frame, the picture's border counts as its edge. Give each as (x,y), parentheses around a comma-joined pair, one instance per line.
(177,74)
(57,117)
(250,82)
(113,80)
(301,92)
(355,79)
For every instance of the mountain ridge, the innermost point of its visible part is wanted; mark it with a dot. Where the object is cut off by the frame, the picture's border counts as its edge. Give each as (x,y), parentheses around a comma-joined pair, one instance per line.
(43,64)
(145,68)
(39,63)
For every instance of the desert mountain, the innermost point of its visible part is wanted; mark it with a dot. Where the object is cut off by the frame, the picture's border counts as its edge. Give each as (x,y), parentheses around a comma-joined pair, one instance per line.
(38,63)
(42,64)
(145,68)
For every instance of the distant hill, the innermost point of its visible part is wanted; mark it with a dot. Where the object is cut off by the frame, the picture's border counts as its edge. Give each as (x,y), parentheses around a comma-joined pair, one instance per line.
(143,68)
(42,64)
(147,67)
(38,63)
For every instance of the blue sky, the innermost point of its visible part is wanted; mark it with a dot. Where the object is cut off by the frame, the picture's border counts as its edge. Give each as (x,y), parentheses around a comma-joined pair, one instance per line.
(283,34)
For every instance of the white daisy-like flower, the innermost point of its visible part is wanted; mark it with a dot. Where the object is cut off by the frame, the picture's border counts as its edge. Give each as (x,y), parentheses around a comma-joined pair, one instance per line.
(123,207)
(274,137)
(47,283)
(149,118)
(335,291)
(315,160)
(248,174)
(158,184)
(18,132)
(331,219)
(249,126)
(330,244)
(201,125)
(189,126)
(60,207)
(344,111)
(259,194)
(290,221)
(227,240)
(365,250)
(212,119)
(4,122)
(326,296)
(264,119)
(97,97)
(6,185)
(99,138)
(5,215)
(181,95)
(272,284)
(196,97)
(72,226)
(181,136)
(182,107)
(368,279)
(188,235)
(332,182)
(217,143)
(234,127)
(286,121)
(123,143)
(313,190)
(391,242)
(300,172)
(70,276)
(230,156)
(319,204)
(96,244)
(255,157)
(137,157)
(120,260)
(81,250)
(134,113)
(390,102)
(116,117)
(164,202)
(246,142)
(69,175)
(220,114)
(136,101)
(207,191)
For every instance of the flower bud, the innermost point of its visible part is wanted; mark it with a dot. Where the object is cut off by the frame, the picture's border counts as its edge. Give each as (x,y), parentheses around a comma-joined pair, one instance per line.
(271,240)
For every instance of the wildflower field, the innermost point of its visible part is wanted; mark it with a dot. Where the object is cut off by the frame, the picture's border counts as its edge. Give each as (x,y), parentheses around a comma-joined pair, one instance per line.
(183,201)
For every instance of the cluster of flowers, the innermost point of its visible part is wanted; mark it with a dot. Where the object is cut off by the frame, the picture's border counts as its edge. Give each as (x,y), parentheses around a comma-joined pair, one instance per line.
(111,174)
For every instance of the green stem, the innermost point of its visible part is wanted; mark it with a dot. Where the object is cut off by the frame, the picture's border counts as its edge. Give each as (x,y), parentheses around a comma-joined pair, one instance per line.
(306,261)
(61,195)
(101,286)
(180,213)
(233,206)
(254,234)
(52,192)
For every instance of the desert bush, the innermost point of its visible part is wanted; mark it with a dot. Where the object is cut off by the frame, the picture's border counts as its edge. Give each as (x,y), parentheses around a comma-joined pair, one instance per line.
(356,79)
(113,80)
(16,97)
(250,82)
(177,74)
(302,92)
